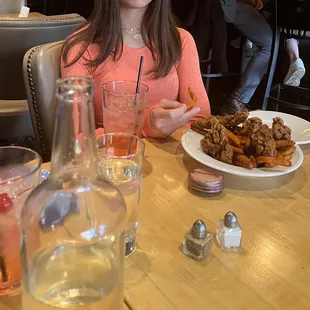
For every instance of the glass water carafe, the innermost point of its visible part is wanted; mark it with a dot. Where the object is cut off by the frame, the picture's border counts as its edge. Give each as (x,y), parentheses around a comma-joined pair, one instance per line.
(73,223)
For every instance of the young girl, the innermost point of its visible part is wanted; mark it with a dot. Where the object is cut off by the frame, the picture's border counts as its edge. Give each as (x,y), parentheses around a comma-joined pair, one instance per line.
(109,48)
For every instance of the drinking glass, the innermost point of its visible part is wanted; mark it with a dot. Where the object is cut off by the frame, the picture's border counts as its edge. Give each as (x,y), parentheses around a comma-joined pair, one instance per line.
(123,109)
(19,174)
(121,159)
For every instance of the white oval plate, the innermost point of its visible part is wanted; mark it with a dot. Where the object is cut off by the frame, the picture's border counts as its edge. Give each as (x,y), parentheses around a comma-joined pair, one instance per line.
(300,127)
(191,144)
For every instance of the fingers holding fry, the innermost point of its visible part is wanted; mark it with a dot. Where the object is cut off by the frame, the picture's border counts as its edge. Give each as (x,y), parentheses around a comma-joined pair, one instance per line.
(190,105)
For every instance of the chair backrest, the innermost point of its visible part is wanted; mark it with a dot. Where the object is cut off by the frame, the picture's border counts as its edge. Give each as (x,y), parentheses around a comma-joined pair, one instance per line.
(41,69)
(17,36)
(11,6)
(294,15)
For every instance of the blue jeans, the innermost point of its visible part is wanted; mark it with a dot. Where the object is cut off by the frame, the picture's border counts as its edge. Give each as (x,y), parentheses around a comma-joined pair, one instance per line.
(255,28)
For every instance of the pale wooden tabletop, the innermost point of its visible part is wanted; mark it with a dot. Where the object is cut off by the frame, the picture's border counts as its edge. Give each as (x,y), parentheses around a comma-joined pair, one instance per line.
(15,15)
(13,302)
(271,272)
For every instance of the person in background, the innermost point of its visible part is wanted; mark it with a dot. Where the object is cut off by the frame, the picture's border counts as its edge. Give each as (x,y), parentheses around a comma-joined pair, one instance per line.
(247,19)
(109,48)
(296,69)
(204,19)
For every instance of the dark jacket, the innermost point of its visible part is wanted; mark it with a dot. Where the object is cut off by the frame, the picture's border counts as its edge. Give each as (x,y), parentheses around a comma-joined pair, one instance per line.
(205,21)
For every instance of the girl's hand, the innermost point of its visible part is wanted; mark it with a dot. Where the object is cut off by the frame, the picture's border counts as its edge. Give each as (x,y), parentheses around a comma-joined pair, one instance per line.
(174,116)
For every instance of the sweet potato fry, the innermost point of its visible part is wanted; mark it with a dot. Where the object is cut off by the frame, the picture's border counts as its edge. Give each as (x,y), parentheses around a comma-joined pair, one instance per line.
(236,149)
(283,143)
(284,162)
(269,162)
(236,141)
(243,158)
(244,141)
(265,160)
(270,165)
(288,150)
(243,164)
(279,155)
(253,161)
(193,101)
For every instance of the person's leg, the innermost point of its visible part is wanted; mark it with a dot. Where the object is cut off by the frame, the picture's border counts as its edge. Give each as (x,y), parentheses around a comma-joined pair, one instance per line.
(296,69)
(292,49)
(254,27)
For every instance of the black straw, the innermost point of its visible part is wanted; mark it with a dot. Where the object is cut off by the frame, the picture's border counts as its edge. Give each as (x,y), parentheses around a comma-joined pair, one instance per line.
(139,79)
(135,101)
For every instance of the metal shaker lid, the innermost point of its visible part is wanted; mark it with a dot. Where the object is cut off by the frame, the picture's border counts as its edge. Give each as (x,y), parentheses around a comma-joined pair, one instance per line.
(199,229)
(230,220)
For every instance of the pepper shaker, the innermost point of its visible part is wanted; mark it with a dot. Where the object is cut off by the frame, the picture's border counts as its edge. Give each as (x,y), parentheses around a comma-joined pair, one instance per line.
(198,242)
(229,233)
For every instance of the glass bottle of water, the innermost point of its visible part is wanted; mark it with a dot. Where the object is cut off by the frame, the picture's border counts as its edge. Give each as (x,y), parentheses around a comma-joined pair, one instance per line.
(73,224)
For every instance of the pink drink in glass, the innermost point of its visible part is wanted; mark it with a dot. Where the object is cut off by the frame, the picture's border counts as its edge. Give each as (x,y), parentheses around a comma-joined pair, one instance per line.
(123,109)
(19,174)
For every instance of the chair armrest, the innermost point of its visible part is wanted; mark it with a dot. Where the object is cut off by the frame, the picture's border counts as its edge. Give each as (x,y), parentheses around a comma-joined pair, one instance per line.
(13,107)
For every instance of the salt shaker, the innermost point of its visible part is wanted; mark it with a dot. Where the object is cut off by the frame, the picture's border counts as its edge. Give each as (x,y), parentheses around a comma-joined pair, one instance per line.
(229,233)
(198,242)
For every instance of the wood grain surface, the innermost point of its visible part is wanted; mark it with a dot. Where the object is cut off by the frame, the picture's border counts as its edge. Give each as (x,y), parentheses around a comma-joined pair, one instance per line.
(271,272)
(13,302)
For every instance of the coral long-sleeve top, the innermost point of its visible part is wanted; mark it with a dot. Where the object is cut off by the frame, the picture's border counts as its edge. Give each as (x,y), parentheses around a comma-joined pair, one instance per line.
(186,73)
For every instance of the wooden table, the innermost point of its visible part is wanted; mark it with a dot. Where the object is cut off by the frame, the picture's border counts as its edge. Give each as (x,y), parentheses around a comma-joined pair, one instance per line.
(13,302)
(271,272)
(15,15)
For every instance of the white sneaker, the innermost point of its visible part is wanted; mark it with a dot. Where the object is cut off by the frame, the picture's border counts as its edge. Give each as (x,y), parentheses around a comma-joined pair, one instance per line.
(295,73)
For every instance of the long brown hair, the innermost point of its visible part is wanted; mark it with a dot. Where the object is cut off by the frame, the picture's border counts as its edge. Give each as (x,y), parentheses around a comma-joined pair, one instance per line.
(159,32)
